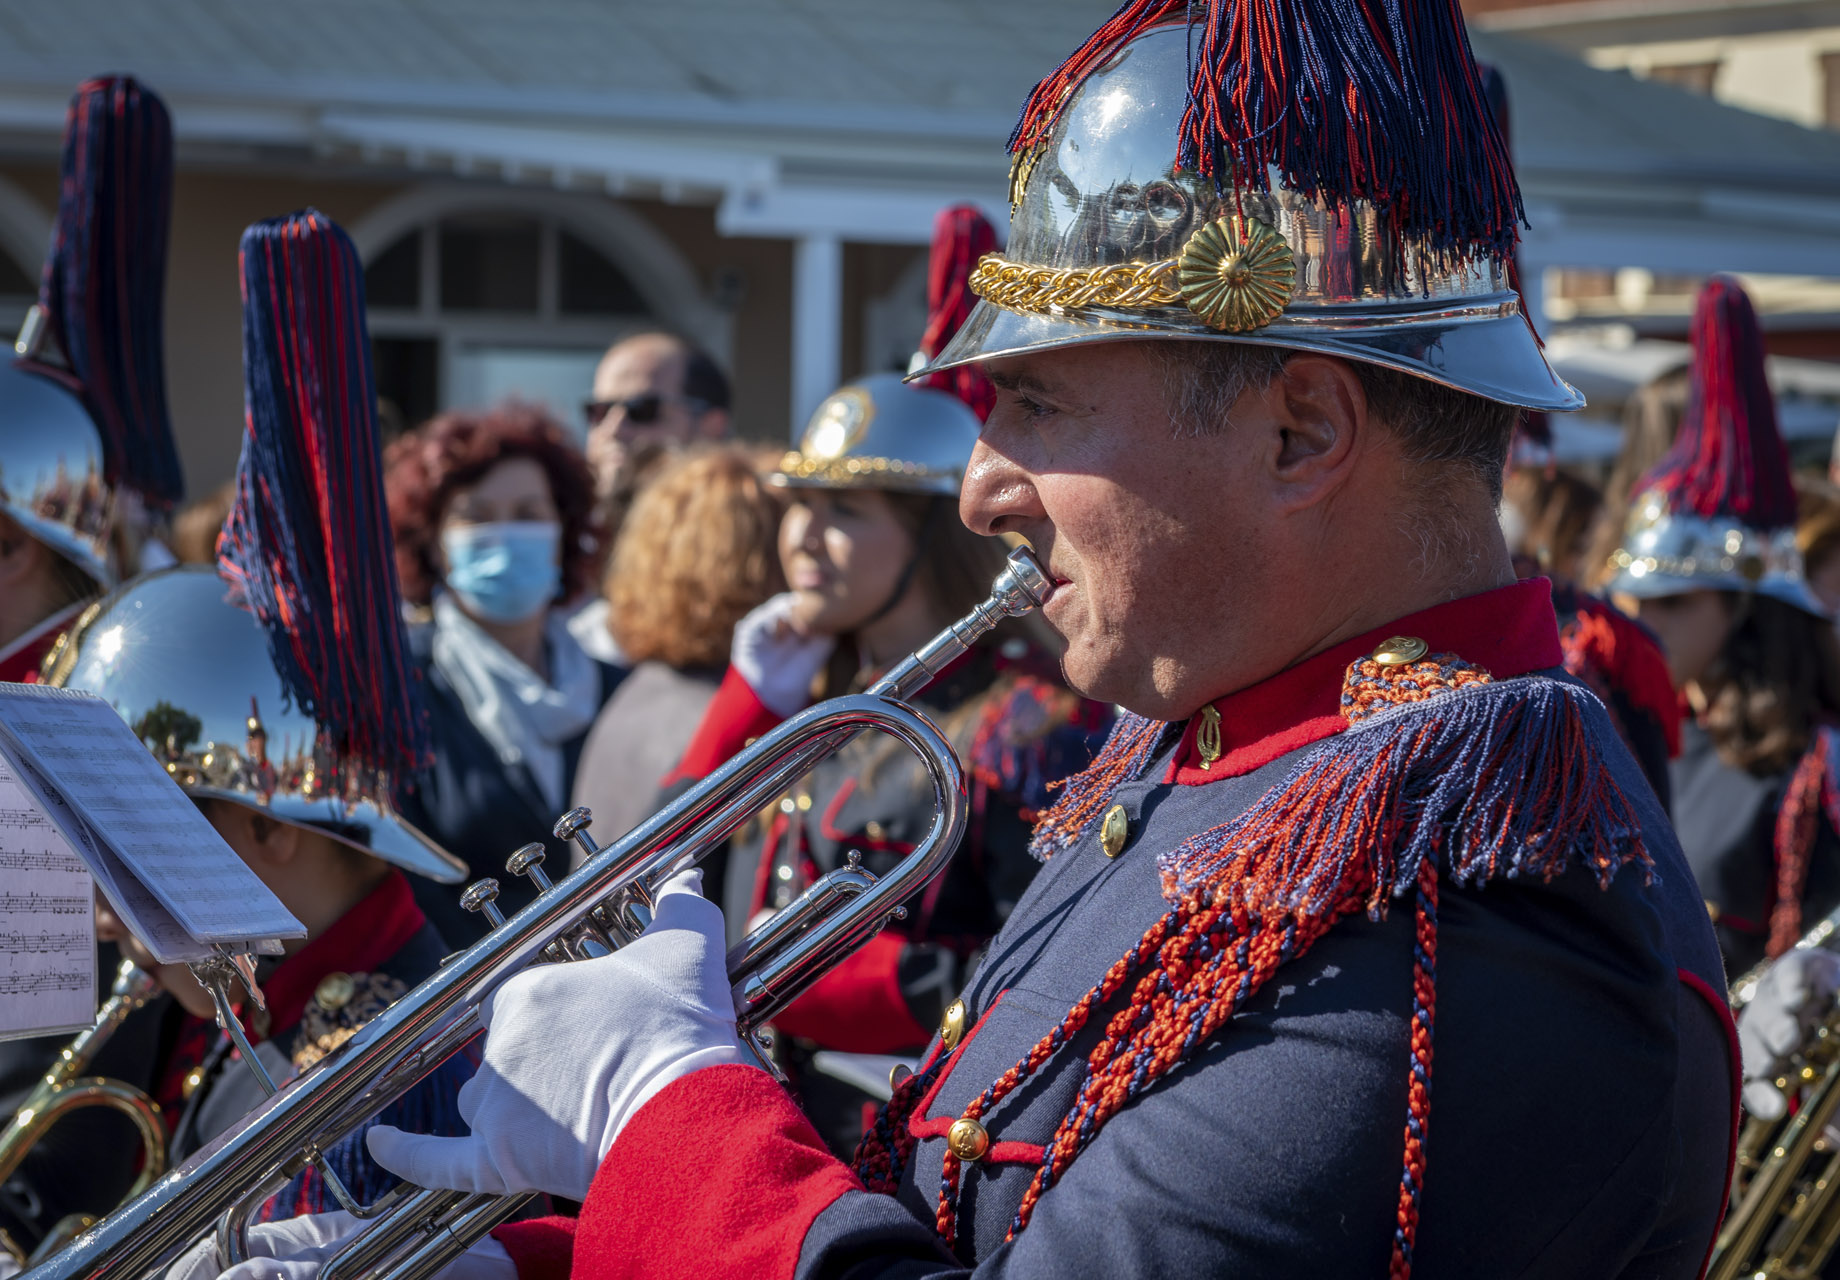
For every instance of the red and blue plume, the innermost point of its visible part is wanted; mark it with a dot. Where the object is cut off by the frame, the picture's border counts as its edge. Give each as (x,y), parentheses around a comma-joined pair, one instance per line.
(307,546)
(1377,100)
(104,283)
(1729,459)
(961,235)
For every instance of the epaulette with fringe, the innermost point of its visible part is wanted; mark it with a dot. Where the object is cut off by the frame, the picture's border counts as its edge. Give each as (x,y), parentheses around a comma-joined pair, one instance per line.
(340,1007)
(1441,772)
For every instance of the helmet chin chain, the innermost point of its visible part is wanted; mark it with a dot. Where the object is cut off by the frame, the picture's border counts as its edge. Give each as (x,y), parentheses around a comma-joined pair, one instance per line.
(923,536)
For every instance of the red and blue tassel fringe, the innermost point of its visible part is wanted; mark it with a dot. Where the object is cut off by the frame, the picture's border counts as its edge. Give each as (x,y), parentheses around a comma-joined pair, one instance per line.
(1729,458)
(1813,793)
(1441,773)
(1377,100)
(961,235)
(307,546)
(104,283)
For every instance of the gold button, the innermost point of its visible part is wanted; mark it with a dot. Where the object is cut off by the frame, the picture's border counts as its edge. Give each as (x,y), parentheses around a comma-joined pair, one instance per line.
(334,992)
(967,1139)
(1712,910)
(899,1074)
(189,1086)
(1400,650)
(952,1026)
(1114,830)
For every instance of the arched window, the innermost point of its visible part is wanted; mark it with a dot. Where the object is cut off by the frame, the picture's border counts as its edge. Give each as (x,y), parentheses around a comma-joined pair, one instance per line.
(475,297)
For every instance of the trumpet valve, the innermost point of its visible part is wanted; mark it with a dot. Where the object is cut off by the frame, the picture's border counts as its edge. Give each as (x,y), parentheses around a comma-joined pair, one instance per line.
(528,861)
(482,896)
(573,825)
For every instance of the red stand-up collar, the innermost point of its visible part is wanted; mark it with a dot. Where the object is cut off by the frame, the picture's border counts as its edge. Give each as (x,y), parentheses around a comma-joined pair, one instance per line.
(1509,631)
(360,941)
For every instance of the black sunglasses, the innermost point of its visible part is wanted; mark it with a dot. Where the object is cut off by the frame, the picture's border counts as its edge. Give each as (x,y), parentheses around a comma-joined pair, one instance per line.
(640,410)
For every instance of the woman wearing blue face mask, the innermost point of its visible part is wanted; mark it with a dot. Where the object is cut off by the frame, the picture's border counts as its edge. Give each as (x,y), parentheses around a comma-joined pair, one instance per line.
(492,514)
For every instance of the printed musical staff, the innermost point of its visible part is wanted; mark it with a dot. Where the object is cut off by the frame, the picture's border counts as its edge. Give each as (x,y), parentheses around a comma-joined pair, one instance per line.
(47,943)
(43,982)
(67,904)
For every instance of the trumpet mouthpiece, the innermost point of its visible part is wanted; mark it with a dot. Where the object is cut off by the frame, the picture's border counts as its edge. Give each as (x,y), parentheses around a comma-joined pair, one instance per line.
(1023,585)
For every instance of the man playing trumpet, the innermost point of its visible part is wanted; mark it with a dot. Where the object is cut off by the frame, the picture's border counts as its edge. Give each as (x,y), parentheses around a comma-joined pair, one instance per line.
(1362,947)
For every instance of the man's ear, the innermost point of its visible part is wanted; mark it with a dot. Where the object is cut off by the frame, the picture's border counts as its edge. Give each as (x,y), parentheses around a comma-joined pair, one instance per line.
(275,843)
(1319,410)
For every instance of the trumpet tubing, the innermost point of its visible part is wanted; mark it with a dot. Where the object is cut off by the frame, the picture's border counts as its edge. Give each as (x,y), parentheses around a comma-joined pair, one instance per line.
(598,907)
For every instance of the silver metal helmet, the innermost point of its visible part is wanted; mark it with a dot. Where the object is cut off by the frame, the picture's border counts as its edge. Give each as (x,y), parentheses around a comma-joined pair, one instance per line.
(881,434)
(190,672)
(51,470)
(1109,240)
(1666,552)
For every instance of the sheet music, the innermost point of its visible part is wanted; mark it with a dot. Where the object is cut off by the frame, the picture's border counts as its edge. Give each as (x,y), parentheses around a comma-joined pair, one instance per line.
(82,757)
(47,937)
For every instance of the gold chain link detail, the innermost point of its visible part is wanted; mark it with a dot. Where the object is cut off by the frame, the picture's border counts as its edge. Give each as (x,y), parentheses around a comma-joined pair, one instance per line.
(1022,287)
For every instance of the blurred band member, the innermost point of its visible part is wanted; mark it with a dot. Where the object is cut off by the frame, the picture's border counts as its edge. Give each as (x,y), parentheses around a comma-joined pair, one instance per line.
(84,432)
(877,563)
(1709,563)
(295,795)
(492,515)
(696,553)
(1549,515)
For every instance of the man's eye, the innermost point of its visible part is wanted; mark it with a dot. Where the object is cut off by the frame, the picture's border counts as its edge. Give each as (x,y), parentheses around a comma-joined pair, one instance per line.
(1033,407)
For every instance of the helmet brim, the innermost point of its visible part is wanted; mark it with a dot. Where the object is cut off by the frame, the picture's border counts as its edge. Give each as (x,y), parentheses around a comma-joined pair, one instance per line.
(1483,345)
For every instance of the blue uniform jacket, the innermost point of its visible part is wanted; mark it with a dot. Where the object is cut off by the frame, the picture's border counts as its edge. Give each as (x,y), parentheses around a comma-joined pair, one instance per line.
(1582,1092)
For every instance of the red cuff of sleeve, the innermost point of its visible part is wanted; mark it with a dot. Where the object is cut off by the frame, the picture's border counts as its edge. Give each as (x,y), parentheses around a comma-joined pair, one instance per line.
(542,1248)
(858,1007)
(735,715)
(719,1175)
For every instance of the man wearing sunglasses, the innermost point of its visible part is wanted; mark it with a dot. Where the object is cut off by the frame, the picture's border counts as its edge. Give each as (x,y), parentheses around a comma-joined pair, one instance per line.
(653,393)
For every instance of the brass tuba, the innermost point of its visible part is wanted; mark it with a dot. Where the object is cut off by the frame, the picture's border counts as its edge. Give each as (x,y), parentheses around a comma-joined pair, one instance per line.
(65,1088)
(1784,1219)
(600,906)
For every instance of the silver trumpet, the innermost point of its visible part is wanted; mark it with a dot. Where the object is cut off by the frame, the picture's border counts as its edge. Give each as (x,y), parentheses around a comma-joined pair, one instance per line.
(603,904)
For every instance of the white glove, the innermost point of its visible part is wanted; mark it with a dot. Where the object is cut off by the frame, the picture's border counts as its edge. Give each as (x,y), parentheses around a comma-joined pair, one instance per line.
(1793,996)
(573,1050)
(777,659)
(296,1248)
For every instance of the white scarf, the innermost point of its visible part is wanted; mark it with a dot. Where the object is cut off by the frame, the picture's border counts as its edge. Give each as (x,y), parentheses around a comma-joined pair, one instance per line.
(525,718)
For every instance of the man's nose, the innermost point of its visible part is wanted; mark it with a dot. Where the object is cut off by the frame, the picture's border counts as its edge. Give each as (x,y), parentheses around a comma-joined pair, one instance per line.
(998,496)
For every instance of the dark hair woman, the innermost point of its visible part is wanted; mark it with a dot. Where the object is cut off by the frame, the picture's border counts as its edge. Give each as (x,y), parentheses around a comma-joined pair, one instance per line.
(1709,562)
(877,562)
(491,512)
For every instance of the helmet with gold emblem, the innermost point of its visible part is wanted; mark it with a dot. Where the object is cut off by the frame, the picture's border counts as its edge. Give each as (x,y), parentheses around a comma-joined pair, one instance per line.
(1230,172)
(881,434)
(280,680)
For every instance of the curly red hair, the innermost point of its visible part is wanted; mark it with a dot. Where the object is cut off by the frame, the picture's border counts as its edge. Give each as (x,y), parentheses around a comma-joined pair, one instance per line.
(423,469)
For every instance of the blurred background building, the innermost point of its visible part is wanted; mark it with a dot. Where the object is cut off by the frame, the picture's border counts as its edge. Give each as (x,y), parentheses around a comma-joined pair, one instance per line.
(529,181)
